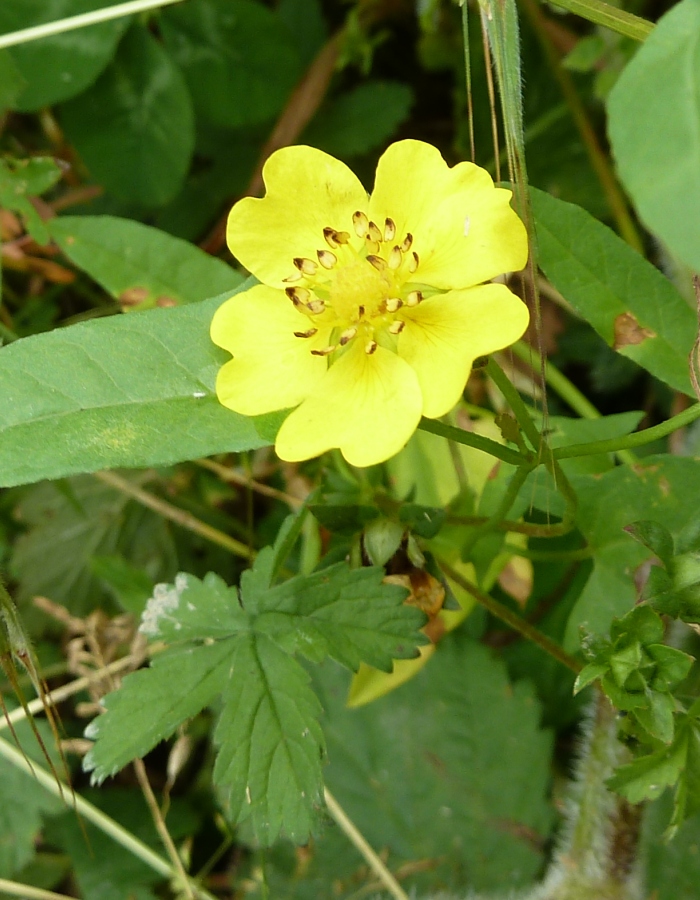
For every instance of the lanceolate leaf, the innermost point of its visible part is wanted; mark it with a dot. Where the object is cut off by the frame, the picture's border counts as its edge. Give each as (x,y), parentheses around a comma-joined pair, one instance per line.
(633,307)
(141,266)
(125,391)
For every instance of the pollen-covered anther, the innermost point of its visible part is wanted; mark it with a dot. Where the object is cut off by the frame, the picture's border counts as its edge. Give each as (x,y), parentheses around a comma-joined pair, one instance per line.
(370,347)
(392,304)
(298,296)
(414,298)
(377,261)
(347,336)
(326,258)
(389,229)
(325,352)
(397,327)
(335,238)
(306,334)
(315,307)
(395,258)
(413,262)
(372,246)
(307,266)
(296,276)
(374,233)
(360,223)
(407,242)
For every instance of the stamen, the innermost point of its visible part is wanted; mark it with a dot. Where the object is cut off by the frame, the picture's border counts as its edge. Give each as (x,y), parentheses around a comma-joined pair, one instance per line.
(316,307)
(392,304)
(306,334)
(325,352)
(407,241)
(377,261)
(389,229)
(372,246)
(307,266)
(397,327)
(347,336)
(370,348)
(413,262)
(295,277)
(326,258)
(414,298)
(395,258)
(335,238)
(298,296)
(374,233)
(360,311)
(360,223)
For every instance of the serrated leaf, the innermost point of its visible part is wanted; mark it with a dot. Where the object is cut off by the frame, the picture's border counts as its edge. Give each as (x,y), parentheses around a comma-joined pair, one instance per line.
(271,745)
(629,302)
(141,266)
(590,673)
(191,609)
(646,778)
(239,60)
(134,128)
(128,390)
(152,702)
(58,67)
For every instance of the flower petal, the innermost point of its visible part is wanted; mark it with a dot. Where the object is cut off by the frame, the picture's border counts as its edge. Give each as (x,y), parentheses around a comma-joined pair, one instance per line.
(367,405)
(271,368)
(307,191)
(464,230)
(446,333)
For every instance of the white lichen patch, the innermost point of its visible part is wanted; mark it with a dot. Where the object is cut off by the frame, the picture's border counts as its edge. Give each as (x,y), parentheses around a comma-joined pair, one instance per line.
(164,602)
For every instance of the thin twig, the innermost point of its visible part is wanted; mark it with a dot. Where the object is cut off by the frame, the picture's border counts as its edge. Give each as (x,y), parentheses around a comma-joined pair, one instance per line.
(226,473)
(355,837)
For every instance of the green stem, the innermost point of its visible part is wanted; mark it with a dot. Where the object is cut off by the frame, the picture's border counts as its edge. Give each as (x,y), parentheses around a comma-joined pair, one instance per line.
(92,814)
(470,439)
(27,892)
(516,403)
(493,522)
(549,555)
(81,21)
(517,623)
(638,439)
(608,16)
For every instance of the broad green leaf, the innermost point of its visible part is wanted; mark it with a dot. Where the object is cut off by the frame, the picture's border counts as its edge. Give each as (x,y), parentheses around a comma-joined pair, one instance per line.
(141,266)
(306,24)
(21,179)
(134,128)
(654,126)
(634,308)
(123,391)
(654,536)
(59,67)
(11,81)
(69,523)
(361,119)
(238,58)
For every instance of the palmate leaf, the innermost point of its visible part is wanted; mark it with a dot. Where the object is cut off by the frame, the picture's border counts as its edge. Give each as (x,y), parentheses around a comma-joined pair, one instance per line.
(270,744)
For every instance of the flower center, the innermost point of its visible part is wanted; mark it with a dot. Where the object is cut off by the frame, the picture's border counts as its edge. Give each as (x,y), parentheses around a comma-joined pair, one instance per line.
(358,286)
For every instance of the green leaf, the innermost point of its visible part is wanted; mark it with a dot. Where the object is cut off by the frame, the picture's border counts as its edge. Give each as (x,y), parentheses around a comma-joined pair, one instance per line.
(124,391)
(654,127)
(238,58)
(634,308)
(59,67)
(647,777)
(21,179)
(590,673)
(381,539)
(654,536)
(361,119)
(11,81)
(306,24)
(141,266)
(129,584)
(134,128)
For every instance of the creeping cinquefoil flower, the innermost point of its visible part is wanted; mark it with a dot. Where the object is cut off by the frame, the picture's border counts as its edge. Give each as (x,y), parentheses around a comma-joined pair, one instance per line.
(371,310)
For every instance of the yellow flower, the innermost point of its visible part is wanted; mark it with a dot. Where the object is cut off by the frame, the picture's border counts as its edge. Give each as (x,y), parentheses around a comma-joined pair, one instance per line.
(370,311)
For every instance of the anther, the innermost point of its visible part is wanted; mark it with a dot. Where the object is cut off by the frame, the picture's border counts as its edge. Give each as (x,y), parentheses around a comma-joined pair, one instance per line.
(395,258)
(306,334)
(377,261)
(325,352)
(307,266)
(335,238)
(397,327)
(326,258)
(389,229)
(370,347)
(407,242)
(374,233)
(360,311)
(392,304)
(298,296)
(316,307)
(360,223)
(414,298)
(347,336)
(413,262)
(295,277)
(372,246)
